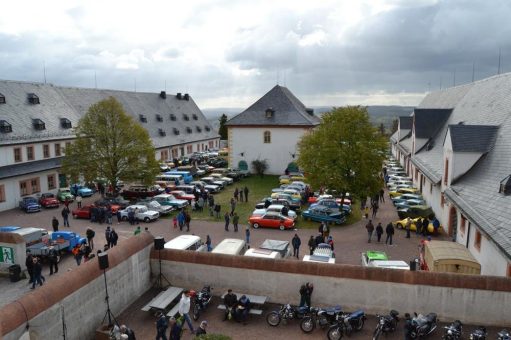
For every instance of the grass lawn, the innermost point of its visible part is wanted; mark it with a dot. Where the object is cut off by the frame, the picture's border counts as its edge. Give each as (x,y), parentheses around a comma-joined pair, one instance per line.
(259,187)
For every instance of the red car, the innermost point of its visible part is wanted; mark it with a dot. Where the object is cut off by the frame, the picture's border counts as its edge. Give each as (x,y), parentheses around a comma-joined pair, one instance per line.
(84,211)
(48,200)
(271,220)
(181,195)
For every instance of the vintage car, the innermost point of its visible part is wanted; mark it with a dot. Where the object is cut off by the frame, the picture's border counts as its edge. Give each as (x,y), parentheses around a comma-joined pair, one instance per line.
(405,197)
(416,211)
(170,200)
(181,195)
(121,202)
(400,224)
(29,204)
(214,181)
(64,194)
(410,203)
(271,220)
(324,214)
(293,199)
(105,204)
(284,179)
(221,177)
(80,190)
(48,200)
(379,259)
(277,208)
(142,213)
(332,204)
(401,191)
(155,206)
(83,212)
(140,191)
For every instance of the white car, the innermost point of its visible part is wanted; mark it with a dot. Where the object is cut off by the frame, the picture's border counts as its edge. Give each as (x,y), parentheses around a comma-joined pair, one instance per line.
(155,206)
(214,181)
(142,213)
(220,177)
(275,208)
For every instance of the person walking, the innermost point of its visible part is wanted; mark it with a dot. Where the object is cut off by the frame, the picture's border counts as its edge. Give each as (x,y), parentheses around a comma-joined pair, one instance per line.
(37,273)
(65,216)
(181,220)
(312,245)
(247,235)
(89,233)
(246,193)
(227,219)
(374,207)
(29,263)
(408,226)
(161,326)
(184,308)
(382,195)
(235,221)
(296,242)
(236,193)
(188,219)
(379,231)
(241,195)
(208,242)
(53,260)
(389,230)
(233,206)
(175,329)
(370,229)
(55,224)
(114,237)
(79,201)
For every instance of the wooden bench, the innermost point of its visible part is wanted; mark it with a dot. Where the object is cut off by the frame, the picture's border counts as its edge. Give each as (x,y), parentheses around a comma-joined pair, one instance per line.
(251,311)
(162,301)
(256,301)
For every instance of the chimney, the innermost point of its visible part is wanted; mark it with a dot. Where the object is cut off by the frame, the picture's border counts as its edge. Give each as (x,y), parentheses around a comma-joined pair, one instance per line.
(163,94)
(187,96)
(178,96)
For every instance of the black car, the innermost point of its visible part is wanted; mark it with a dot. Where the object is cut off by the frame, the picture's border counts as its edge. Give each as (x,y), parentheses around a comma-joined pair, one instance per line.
(218,163)
(112,200)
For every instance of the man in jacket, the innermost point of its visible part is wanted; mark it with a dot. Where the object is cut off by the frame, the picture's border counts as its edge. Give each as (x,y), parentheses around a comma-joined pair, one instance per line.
(390,232)
(408,328)
(161,327)
(242,309)
(230,302)
(53,259)
(29,263)
(370,229)
(55,224)
(37,273)
(296,242)
(90,237)
(65,216)
(184,308)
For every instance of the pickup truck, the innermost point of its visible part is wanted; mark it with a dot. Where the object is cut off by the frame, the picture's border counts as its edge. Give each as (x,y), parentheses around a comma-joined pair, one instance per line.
(48,200)
(30,204)
(62,241)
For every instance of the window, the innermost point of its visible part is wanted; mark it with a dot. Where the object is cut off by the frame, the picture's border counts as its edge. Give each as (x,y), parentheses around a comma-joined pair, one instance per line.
(198,128)
(57,150)
(211,144)
(195,117)
(23,188)
(38,124)
(189,148)
(188,129)
(164,155)
(269,112)
(65,123)
(2,193)
(29,186)
(17,155)
(46,151)
(5,127)
(2,99)
(33,98)
(198,147)
(185,117)
(30,153)
(446,171)
(172,117)
(267,137)
(207,128)
(416,173)
(142,118)
(51,182)
(159,118)
(34,183)
(477,240)
(463,223)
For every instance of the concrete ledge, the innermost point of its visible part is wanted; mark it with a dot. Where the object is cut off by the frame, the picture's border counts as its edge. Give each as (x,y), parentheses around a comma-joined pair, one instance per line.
(491,283)
(30,305)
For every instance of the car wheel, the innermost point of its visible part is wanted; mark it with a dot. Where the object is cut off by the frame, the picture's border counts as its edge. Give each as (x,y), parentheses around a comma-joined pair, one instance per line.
(399,226)
(255,225)
(282,227)
(147,219)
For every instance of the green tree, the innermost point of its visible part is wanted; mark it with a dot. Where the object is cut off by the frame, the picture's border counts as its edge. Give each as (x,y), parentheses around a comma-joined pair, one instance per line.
(110,144)
(344,153)
(381,128)
(222,130)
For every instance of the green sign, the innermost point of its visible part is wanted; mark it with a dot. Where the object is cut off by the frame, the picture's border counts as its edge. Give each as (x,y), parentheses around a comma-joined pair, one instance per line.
(6,255)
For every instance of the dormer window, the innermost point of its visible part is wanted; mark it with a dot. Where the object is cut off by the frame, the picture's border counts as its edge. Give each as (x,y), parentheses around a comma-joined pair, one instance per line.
(142,118)
(172,117)
(185,117)
(38,124)
(207,128)
(269,112)
(5,127)
(33,98)
(176,131)
(2,99)
(159,118)
(188,129)
(195,117)
(65,123)
(162,132)
(198,128)
(505,186)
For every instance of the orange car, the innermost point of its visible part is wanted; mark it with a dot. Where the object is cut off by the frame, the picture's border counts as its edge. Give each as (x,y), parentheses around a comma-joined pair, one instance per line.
(271,220)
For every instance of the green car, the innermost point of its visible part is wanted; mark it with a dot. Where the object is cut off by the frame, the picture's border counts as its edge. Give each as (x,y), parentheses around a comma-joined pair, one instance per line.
(65,193)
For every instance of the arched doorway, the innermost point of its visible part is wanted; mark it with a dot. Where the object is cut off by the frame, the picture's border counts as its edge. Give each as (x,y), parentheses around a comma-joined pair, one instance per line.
(453,222)
(292,167)
(242,165)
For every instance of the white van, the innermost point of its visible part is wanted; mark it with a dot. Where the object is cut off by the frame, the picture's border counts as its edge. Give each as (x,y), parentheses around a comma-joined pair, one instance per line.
(186,242)
(230,246)
(264,253)
(323,253)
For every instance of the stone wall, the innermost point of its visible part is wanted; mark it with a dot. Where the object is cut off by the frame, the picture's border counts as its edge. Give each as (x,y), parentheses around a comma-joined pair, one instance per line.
(472,299)
(78,297)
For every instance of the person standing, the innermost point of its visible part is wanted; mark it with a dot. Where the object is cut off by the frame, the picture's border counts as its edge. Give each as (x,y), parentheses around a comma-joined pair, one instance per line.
(184,308)
(246,194)
(241,195)
(408,328)
(53,259)
(108,235)
(181,220)
(65,216)
(236,193)
(235,221)
(77,254)
(174,221)
(312,245)
(79,201)
(247,235)
(408,226)
(114,237)
(37,272)
(325,230)
(309,288)
(217,209)
(202,328)
(55,224)
(161,326)
(370,229)
(227,219)
(382,195)
(425,226)
(390,232)
(109,214)
(175,329)
(233,206)
(208,242)
(188,219)
(89,233)
(296,242)
(119,217)
(379,231)
(29,263)
(303,292)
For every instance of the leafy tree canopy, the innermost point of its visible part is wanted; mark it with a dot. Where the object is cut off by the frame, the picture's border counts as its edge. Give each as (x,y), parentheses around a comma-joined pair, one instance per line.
(222,130)
(344,153)
(110,144)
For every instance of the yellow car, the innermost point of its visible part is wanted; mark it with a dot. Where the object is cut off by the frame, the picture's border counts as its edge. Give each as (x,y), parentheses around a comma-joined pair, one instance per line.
(297,178)
(401,191)
(293,195)
(413,227)
(284,179)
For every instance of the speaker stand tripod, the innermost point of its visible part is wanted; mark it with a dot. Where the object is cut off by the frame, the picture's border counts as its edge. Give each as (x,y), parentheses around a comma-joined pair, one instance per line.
(108,311)
(159,283)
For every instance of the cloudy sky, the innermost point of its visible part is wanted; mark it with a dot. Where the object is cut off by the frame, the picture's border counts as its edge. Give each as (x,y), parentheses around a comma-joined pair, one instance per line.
(228,53)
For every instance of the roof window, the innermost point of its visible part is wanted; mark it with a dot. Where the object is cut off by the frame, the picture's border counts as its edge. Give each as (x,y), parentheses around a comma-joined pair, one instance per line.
(159,118)
(33,98)
(188,129)
(185,117)
(5,127)
(505,186)
(198,128)
(142,118)
(162,132)
(179,96)
(2,99)
(195,117)
(38,124)
(176,131)
(65,123)
(172,117)
(269,112)
(207,128)
(186,96)
(163,95)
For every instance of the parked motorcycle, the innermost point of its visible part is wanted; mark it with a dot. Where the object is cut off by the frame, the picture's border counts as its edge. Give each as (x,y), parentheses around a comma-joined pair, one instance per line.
(386,324)
(200,301)
(286,312)
(321,316)
(423,325)
(346,323)
(453,331)
(479,334)
(503,335)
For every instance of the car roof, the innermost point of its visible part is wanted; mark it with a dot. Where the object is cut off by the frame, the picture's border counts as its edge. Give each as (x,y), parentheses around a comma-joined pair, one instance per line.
(376,255)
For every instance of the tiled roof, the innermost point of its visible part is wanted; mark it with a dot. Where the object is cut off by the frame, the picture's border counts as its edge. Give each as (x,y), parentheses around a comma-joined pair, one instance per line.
(472,138)
(287,110)
(29,167)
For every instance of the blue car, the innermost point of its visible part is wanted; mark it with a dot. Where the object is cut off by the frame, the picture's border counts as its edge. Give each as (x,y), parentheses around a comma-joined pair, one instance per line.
(332,204)
(324,214)
(30,204)
(410,203)
(80,190)
(405,197)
